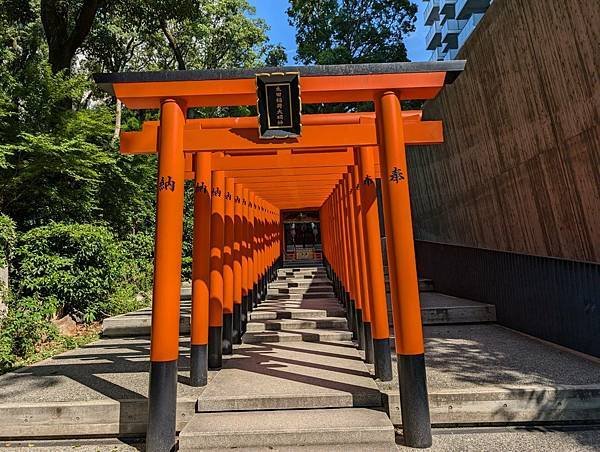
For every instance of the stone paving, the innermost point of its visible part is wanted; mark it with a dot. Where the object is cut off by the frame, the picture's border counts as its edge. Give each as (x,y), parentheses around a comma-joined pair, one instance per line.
(476,373)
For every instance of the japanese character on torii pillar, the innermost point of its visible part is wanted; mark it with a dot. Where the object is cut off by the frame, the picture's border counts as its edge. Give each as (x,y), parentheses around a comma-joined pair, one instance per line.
(328,162)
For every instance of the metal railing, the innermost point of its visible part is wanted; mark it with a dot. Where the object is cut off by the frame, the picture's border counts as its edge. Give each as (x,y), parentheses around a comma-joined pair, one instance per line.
(432,12)
(434,36)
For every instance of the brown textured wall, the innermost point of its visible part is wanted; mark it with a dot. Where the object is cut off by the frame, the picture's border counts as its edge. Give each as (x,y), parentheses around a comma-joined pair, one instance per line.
(520,169)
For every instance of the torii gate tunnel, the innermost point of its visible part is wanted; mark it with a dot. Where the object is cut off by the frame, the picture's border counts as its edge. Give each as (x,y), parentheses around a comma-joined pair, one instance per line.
(242,185)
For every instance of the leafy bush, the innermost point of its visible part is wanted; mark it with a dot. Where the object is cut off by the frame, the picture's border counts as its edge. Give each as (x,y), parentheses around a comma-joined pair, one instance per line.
(24,328)
(75,268)
(138,250)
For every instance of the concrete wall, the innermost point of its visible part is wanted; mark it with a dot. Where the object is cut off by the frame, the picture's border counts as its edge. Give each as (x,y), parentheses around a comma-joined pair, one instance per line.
(520,168)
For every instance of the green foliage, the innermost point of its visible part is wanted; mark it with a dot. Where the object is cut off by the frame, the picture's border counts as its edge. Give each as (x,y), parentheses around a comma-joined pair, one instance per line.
(138,253)
(351,31)
(24,328)
(85,213)
(72,268)
(8,236)
(276,56)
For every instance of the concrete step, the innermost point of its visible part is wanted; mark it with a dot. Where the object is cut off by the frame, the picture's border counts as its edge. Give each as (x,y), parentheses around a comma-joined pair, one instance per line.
(274,429)
(440,309)
(291,375)
(299,335)
(290,313)
(137,323)
(309,303)
(299,296)
(336,323)
(300,283)
(300,290)
(302,275)
(493,404)
(308,268)
(303,271)
(294,312)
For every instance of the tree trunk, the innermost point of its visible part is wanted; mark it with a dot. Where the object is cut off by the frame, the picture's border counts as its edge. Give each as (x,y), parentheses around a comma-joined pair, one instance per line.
(173,44)
(119,110)
(62,44)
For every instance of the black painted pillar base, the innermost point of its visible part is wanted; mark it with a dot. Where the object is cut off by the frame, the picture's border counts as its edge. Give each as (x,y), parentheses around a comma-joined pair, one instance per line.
(383,359)
(360,331)
(369,355)
(227,333)
(198,365)
(162,403)
(416,423)
(351,317)
(264,287)
(346,303)
(236,337)
(249,303)
(245,308)
(215,347)
(255,295)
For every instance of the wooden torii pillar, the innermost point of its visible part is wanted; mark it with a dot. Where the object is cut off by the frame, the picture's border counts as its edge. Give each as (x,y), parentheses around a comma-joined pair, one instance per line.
(174,92)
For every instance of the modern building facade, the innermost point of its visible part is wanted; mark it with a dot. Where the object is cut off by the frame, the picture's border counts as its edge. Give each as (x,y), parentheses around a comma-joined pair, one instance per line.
(450,23)
(506,210)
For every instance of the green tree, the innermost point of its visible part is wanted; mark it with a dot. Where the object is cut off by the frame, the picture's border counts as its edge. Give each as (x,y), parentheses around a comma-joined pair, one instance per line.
(351,31)
(276,56)
(66,26)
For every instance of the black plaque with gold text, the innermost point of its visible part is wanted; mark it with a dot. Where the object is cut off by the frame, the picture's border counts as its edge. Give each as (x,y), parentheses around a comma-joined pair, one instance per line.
(279,105)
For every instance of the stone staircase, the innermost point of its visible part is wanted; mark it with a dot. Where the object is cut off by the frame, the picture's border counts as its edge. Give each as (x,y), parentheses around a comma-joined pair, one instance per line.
(300,306)
(296,382)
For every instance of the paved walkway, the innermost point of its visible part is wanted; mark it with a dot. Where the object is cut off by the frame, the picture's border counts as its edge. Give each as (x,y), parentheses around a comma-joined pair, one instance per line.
(532,439)
(477,372)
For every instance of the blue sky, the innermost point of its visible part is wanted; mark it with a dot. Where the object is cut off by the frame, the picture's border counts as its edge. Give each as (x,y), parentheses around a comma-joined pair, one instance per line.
(273,12)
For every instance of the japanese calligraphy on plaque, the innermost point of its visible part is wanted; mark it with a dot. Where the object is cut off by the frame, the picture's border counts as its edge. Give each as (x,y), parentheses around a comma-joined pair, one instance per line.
(279,105)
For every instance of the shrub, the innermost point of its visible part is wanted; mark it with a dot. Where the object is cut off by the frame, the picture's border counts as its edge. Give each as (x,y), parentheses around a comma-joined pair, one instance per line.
(74,268)
(24,328)
(138,250)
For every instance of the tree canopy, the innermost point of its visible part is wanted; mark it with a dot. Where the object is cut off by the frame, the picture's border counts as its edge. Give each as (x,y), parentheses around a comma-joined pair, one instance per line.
(58,133)
(351,31)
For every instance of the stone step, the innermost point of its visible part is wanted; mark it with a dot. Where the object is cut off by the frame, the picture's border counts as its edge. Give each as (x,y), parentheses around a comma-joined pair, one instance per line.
(303,274)
(300,283)
(137,325)
(291,375)
(287,271)
(425,285)
(300,335)
(300,296)
(336,323)
(492,403)
(441,309)
(300,290)
(270,312)
(186,293)
(314,303)
(303,279)
(352,427)
(289,313)
(314,268)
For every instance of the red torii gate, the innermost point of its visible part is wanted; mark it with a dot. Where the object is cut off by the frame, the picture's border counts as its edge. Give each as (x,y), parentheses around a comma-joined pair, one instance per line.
(236,142)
